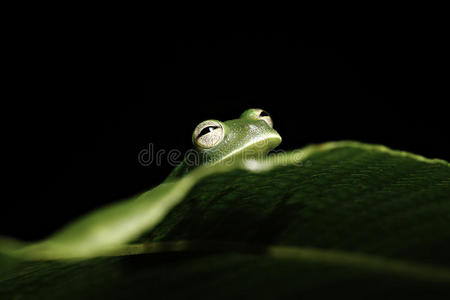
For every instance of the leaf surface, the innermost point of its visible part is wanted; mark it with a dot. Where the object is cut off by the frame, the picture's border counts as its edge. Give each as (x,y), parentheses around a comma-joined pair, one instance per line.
(328,220)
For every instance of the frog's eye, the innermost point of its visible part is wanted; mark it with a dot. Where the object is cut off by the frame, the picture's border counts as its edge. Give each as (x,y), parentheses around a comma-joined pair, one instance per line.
(258,114)
(264,115)
(208,134)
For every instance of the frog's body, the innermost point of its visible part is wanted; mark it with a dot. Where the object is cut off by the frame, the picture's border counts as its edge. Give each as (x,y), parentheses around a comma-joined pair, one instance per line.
(217,142)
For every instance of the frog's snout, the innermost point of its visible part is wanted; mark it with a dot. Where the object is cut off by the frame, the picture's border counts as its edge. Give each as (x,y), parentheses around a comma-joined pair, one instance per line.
(274,140)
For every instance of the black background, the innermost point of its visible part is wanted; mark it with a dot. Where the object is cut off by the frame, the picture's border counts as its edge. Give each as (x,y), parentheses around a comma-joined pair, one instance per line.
(78,108)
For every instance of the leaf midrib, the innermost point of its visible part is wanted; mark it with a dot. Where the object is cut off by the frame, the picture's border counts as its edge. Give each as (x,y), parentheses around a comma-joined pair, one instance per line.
(301,254)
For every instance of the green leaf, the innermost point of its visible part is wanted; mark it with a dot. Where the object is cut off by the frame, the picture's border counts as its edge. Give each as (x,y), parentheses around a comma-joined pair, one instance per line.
(329,219)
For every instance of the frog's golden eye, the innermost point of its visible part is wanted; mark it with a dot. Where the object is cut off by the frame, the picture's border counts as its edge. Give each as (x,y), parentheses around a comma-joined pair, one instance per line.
(264,115)
(208,134)
(258,114)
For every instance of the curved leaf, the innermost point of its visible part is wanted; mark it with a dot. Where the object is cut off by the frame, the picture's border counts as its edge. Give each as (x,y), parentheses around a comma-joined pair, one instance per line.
(345,196)
(326,220)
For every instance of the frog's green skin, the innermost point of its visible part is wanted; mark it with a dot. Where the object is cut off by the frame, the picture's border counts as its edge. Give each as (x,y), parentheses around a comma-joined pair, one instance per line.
(246,137)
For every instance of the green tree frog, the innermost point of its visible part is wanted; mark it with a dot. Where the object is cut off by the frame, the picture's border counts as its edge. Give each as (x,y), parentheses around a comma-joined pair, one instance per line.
(250,136)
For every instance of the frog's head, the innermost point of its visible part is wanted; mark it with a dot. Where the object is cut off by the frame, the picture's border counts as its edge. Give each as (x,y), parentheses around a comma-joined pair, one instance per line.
(250,136)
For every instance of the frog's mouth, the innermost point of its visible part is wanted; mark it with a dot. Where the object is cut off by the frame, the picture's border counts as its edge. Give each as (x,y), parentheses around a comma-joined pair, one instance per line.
(256,149)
